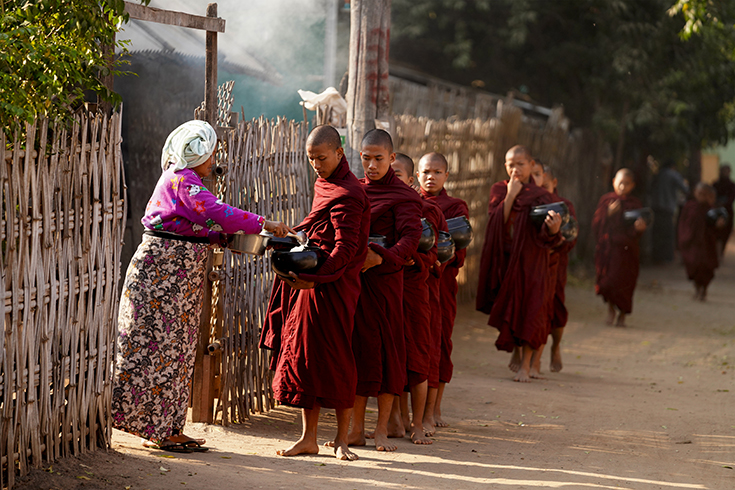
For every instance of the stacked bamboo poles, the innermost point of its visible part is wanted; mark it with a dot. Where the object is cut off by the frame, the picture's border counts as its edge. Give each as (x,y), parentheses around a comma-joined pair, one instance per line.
(267,173)
(62,190)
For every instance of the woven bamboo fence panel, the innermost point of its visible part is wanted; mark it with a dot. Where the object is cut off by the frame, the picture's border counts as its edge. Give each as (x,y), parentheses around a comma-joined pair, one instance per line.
(62,192)
(268,174)
(475,150)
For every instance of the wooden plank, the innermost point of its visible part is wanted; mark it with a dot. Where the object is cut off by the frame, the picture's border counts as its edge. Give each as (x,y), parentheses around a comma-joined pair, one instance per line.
(210,71)
(173,18)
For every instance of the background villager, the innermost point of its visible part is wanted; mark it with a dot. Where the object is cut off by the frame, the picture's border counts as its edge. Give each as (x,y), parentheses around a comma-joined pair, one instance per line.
(664,202)
(162,295)
(725,189)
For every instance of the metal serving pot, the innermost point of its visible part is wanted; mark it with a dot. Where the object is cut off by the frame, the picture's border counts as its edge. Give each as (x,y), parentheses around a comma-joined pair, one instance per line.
(257,244)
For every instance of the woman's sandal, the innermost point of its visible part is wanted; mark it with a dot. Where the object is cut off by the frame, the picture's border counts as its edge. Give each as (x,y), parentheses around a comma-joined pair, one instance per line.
(183,447)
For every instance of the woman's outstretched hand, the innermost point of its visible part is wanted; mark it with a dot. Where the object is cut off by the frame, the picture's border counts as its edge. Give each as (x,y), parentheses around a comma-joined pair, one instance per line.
(278,228)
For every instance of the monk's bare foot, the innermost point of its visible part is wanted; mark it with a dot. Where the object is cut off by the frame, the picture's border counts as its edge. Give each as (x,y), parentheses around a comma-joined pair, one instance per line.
(515,360)
(341,451)
(301,447)
(438,422)
(535,374)
(522,376)
(610,314)
(418,436)
(396,427)
(429,425)
(383,444)
(353,439)
(556,364)
(621,320)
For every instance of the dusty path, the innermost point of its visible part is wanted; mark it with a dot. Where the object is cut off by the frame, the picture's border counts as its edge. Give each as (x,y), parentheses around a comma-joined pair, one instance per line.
(646,407)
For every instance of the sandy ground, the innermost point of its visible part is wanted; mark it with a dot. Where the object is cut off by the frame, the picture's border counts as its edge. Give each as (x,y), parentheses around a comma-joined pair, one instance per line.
(645,407)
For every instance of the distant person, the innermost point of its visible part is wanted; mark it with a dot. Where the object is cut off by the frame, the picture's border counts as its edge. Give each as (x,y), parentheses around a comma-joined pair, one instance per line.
(617,256)
(725,189)
(698,239)
(665,201)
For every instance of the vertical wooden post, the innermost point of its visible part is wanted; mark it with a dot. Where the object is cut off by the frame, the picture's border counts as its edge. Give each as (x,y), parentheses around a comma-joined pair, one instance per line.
(202,394)
(210,71)
(367,89)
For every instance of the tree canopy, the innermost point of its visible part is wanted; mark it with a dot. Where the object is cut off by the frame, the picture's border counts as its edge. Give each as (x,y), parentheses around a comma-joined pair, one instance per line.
(620,66)
(52,52)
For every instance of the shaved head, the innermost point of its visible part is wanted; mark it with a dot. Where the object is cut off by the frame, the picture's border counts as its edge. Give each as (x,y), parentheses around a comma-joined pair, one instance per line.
(378,137)
(548,170)
(706,188)
(324,135)
(626,172)
(519,150)
(406,162)
(436,158)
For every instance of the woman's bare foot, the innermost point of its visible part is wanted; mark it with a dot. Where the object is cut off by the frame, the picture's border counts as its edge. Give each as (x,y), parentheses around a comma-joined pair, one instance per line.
(610,314)
(418,436)
(300,447)
(515,360)
(175,439)
(438,422)
(556,364)
(383,444)
(342,452)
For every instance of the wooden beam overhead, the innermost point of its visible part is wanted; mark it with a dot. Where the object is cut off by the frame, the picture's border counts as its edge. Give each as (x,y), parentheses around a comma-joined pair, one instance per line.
(170,17)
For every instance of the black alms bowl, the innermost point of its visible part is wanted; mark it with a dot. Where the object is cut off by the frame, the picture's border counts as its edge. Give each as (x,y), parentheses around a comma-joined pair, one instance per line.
(632,215)
(461,231)
(445,247)
(428,239)
(378,240)
(538,213)
(307,260)
(716,213)
(570,229)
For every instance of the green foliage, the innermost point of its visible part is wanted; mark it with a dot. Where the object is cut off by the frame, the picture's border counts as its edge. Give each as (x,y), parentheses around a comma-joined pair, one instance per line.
(51,52)
(616,65)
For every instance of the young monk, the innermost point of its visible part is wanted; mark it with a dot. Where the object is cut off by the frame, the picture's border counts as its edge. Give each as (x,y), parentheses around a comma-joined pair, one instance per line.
(558,262)
(417,320)
(511,289)
(433,174)
(310,317)
(698,239)
(617,254)
(378,340)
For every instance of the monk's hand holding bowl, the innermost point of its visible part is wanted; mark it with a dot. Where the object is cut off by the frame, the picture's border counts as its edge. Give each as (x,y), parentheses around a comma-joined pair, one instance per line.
(409,262)
(297,283)
(371,260)
(640,225)
(553,222)
(614,207)
(278,228)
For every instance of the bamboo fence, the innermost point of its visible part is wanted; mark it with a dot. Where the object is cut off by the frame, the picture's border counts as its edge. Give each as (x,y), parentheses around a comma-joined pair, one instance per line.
(266,173)
(62,192)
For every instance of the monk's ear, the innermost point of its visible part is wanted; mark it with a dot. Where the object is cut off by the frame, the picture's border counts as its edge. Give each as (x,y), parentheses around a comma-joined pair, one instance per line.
(341,152)
(392,157)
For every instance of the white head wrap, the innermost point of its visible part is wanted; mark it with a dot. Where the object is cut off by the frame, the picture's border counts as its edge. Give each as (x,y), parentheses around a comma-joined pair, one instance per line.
(189,145)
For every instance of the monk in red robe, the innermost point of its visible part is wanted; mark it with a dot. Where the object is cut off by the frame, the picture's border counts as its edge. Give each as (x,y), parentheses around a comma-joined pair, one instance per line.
(617,256)
(378,339)
(417,321)
(515,258)
(433,173)
(698,239)
(310,317)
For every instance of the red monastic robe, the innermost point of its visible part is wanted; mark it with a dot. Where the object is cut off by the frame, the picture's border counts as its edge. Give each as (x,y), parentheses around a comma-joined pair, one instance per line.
(310,330)
(434,282)
(417,304)
(560,315)
(513,269)
(452,207)
(698,243)
(617,256)
(378,340)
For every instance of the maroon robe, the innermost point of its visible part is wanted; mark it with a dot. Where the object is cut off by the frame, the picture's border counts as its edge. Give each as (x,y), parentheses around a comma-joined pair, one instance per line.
(378,340)
(452,207)
(513,269)
(698,243)
(434,282)
(310,330)
(417,304)
(617,256)
(560,315)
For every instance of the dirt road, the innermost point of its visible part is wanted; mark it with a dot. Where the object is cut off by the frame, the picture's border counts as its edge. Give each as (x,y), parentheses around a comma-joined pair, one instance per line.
(647,407)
